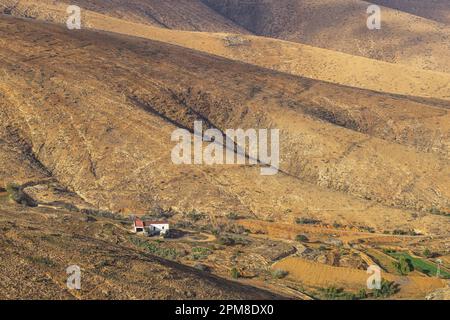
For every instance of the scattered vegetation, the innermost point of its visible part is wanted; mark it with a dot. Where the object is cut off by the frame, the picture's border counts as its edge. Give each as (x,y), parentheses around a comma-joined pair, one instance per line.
(228,240)
(155,248)
(367,229)
(307,221)
(388,288)
(159,213)
(235,274)
(403,265)
(335,293)
(233,216)
(201,267)
(235,41)
(428,253)
(400,232)
(16,193)
(362,294)
(418,264)
(200,253)
(439,212)
(301,238)
(41,260)
(103,214)
(279,274)
(337,225)
(195,216)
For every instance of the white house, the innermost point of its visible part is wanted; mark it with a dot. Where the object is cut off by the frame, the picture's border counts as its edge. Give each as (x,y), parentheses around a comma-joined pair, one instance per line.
(150,227)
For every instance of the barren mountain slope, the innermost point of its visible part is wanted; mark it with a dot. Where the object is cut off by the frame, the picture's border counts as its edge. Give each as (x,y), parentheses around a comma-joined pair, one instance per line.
(172,14)
(39,244)
(99,110)
(438,10)
(341,25)
(290,57)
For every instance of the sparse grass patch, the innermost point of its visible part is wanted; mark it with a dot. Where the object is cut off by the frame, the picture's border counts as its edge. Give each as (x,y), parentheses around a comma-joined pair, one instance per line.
(335,293)
(16,193)
(439,212)
(228,240)
(400,232)
(233,216)
(103,213)
(155,248)
(41,260)
(195,216)
(388,288)
(200,253)
(309,221)
(159,213)
(235,274)
(279,274)
(301,238)
(403,265)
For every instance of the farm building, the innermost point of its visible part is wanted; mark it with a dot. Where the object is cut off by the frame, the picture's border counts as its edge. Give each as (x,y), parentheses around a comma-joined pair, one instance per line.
(150,227)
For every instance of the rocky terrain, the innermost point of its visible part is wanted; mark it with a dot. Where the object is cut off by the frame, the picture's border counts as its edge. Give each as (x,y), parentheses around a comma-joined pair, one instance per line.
(404,38)
(85,142)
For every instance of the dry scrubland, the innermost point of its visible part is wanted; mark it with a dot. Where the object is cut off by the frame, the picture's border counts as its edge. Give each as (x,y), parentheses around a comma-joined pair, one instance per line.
(404,38)
(87,118)
(295,58)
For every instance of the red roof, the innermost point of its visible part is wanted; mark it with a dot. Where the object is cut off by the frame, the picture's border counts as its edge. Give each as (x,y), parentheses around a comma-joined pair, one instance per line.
(138,223)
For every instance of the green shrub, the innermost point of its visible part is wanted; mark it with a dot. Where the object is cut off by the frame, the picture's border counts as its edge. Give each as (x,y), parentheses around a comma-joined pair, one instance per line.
(301,238)
(159,213)
(307,221)
(404,232)
(388,288)
(201,267)
(404,265)
(41,260)
(334,293)
(362,294)
(155,248)
(235,274)
(227,240)
(427,253)
(195,216)
(279,274)
(200,253)
(17,194)
(233,216)
(439,212)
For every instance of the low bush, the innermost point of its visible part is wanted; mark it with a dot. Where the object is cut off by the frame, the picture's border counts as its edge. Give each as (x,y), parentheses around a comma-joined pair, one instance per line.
(403,265)
(201,267)
(233,216)
(200,253)
(279,274)
(235,274)
(307,221)
(301,238)
(17,194)
(195,216)
(388,288)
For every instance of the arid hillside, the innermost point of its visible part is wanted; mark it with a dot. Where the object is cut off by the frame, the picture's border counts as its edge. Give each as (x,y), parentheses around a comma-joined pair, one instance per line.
(39,244)
(172,14)
(289,57)
(339,145)
(89,128)
(341,25)
(438,10)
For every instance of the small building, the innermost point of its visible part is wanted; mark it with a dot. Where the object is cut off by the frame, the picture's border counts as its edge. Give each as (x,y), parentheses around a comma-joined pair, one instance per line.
(150,228)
